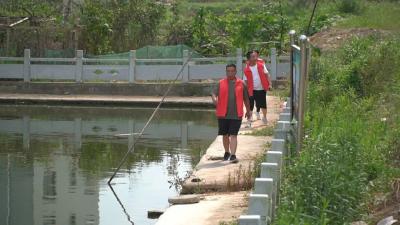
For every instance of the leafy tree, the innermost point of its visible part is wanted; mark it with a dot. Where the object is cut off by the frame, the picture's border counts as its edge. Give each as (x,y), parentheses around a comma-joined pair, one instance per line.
(97,20)
(178,27)
(135,23)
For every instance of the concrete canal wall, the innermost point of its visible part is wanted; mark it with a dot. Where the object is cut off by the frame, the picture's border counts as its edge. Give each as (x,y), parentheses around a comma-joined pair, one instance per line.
(126,89)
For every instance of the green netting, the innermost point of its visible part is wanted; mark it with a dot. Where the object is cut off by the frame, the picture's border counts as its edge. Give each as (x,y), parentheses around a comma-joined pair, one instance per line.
(153,52)
(65,53)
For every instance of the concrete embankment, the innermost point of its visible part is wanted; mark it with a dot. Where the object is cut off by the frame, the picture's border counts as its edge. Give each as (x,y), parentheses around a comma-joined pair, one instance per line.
(123,89)
(112,100)
(194,95)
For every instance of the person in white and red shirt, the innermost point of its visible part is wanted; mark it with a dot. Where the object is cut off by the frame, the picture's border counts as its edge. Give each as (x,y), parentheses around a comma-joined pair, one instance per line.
(258,82)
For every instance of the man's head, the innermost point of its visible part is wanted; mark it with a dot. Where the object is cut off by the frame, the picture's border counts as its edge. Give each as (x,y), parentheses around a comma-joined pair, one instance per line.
(252,57)
(231,71)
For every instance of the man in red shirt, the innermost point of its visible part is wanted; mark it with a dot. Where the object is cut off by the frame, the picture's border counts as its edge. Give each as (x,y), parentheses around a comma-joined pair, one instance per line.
(230,95)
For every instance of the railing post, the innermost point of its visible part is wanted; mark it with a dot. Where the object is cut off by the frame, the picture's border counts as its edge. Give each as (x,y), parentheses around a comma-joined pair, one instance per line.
(302,92)
(274,64)
(271,170)
(265,186)
(132,66)
(185,72)
(250,220)
(292,33)
(239,62)
(27,65)
(79,66)
(260,204)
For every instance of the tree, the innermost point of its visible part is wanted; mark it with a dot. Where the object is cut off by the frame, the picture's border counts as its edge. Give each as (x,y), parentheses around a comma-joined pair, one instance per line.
(96,19)
(135,23)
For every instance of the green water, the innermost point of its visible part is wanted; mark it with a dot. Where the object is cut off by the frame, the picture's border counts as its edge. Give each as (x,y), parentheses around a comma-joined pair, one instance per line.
(55,162)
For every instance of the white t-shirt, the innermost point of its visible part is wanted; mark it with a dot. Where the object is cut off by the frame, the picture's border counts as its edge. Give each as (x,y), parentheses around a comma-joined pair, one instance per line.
(256,77)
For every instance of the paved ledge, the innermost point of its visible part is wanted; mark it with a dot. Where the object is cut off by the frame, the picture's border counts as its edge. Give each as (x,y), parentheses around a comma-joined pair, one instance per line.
(210,211)
(218,175)
(170,101)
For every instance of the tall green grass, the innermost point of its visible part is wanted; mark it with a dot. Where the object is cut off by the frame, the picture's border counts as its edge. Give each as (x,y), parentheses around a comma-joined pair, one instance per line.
(352,130)
(378,15)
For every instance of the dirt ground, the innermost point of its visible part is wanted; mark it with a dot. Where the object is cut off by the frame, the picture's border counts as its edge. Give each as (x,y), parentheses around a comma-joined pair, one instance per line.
(387,204)
(333,38)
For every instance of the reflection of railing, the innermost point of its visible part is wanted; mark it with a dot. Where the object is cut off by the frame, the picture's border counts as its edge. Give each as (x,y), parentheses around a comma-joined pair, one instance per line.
(79,128)
(80,69)
(290,131)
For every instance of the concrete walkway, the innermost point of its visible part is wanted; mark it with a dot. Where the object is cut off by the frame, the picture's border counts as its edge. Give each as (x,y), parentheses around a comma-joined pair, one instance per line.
(221,182)
(170,101)
(213,174)
(210,211)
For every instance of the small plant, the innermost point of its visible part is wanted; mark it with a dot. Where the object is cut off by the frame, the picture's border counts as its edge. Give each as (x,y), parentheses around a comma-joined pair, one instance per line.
(228,223)
(265,131)
(243,177)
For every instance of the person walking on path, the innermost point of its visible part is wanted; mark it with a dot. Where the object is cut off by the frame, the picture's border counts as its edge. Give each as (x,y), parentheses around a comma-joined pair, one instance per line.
(229,96)
(258,81)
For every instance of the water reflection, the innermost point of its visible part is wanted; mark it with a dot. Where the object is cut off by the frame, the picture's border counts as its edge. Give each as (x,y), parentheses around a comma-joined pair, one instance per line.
(55,162)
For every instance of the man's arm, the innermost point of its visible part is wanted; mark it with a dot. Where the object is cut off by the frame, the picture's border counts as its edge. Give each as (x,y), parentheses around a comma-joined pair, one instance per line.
(214,94)
(246,100)
(247,105)
(214,98)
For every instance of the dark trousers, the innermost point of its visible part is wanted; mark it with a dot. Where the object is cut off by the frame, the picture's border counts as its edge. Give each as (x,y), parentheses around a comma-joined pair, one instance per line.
(259,97)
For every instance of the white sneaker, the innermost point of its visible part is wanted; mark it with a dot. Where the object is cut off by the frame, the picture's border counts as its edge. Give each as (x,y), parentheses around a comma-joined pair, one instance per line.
(248,124)
(258,116)
(264,120)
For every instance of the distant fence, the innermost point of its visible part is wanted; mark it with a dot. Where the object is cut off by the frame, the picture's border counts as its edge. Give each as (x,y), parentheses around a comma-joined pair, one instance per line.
(287,140)
(80,69)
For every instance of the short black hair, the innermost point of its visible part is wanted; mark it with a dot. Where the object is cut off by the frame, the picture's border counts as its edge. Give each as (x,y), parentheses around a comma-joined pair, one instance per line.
(230,65)
(251,52)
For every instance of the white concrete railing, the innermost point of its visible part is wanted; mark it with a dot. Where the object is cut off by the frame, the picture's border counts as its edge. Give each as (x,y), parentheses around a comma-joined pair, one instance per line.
(264,199)
(80,69)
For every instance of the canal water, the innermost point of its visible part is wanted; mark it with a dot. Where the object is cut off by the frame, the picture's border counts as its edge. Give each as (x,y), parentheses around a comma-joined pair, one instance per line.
(55,162)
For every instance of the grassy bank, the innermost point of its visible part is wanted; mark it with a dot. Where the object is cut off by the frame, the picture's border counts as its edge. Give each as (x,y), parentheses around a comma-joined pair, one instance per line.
(352,127)
(382,15)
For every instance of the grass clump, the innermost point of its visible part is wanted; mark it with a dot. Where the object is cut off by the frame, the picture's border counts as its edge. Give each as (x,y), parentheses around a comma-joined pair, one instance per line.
(352,129)
(265,131)
(349,6)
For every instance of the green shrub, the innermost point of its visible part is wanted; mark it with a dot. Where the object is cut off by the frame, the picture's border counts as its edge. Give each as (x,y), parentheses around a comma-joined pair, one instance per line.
(349,6)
